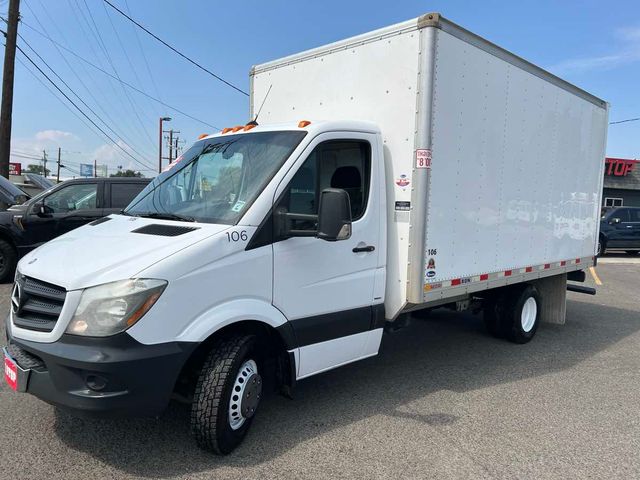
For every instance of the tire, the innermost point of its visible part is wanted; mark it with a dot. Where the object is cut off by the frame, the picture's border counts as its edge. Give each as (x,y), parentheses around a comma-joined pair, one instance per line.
(228,381)
(8,261)
(632,252)
(522,314)
(492,315)
(601,249)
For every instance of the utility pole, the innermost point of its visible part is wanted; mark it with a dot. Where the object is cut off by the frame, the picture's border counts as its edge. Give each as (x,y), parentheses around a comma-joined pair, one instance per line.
(7,86)
(95,168)
(44,163)
(162,119)
(58,174)
(170,144)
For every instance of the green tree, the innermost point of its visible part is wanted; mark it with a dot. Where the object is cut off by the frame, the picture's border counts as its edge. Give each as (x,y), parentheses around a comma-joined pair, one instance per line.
(126,173)
(31,168)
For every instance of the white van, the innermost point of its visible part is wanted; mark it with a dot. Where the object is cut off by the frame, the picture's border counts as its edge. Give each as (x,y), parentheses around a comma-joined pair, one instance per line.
(408,168)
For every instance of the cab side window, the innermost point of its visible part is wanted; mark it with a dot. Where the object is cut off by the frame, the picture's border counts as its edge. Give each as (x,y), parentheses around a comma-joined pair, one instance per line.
(74,197)
(622,214)
(634,215)
(344,164)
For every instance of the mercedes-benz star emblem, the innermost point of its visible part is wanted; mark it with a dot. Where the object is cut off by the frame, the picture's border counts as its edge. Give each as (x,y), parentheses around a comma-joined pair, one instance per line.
(15,298)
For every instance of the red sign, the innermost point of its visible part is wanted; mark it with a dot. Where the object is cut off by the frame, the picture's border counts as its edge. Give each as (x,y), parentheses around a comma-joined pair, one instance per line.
(15,168)
(618,167)
(11,373)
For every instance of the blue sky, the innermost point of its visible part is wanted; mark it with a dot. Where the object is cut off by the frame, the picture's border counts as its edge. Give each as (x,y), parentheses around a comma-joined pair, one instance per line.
(594,44)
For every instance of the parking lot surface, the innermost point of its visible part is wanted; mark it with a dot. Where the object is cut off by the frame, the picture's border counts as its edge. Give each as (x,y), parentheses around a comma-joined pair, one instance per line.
(442,400)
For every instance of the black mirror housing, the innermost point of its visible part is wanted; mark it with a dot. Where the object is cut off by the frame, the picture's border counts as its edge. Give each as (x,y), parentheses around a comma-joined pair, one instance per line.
(614,221)
(334,215)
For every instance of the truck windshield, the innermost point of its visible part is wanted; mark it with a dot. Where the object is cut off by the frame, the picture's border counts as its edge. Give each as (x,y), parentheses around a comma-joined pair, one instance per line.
(217,179)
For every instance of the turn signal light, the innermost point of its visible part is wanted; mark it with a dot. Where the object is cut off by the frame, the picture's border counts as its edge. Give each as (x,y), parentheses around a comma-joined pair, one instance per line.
(303,123)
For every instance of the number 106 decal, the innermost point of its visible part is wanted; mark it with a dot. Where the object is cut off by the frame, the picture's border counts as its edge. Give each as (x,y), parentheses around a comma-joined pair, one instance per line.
(236,236)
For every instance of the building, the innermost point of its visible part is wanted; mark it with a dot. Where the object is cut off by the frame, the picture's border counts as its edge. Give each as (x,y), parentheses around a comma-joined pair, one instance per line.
(621,182)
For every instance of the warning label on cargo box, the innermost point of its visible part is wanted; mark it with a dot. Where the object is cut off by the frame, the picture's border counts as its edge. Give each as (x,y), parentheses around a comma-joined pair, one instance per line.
(423,158)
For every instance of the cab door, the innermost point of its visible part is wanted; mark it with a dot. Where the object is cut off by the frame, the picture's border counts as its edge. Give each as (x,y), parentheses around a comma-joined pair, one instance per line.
(65,209)
(331,291)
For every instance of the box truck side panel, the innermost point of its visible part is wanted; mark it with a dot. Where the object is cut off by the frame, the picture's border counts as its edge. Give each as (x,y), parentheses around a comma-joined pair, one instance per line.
(372,77)
(516,169)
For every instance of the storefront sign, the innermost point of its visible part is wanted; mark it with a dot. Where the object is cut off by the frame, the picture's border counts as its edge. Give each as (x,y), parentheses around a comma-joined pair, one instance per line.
(15,168)
(618,167)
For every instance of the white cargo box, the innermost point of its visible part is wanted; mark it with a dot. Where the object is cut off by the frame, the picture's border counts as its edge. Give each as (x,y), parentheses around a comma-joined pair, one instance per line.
(494,166)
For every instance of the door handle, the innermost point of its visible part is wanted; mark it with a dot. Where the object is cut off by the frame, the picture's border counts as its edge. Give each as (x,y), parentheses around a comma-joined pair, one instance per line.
(368,248)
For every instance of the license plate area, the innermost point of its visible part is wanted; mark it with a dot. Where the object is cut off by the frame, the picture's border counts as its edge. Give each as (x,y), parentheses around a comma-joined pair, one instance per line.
(14,376)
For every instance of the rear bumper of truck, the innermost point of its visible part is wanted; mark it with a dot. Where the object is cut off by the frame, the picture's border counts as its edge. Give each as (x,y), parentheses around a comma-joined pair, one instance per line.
(111,376)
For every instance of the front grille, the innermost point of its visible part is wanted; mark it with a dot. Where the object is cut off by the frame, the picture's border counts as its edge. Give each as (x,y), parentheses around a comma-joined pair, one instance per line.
(36,305)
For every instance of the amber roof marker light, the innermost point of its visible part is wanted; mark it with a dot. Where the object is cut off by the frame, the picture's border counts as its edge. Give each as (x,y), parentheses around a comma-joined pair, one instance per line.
(304,123)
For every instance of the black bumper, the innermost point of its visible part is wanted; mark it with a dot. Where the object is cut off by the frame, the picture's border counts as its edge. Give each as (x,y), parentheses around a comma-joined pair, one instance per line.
(104,376)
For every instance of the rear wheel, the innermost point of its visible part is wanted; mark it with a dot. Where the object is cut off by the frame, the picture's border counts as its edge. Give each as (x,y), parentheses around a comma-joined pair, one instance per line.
(227,395)
(8,260)
(522,314)
(602,246)
(632,252)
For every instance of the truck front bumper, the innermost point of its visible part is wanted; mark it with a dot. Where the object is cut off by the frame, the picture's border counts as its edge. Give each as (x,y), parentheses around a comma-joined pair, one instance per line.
(104,376)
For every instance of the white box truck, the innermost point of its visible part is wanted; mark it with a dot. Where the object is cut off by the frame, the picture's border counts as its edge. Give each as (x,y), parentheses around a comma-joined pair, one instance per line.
(411,167)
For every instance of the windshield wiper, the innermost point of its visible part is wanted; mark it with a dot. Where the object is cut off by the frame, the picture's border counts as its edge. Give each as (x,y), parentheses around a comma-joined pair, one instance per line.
(166,216)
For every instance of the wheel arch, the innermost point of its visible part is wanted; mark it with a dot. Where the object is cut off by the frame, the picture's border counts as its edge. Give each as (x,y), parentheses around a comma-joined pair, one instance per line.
(276,339)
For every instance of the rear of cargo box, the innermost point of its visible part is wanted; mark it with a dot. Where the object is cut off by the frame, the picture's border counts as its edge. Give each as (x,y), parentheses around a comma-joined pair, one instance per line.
(513,192)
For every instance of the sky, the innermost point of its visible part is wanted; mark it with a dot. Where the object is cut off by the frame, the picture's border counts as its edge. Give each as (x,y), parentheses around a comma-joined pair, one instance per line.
(593,44)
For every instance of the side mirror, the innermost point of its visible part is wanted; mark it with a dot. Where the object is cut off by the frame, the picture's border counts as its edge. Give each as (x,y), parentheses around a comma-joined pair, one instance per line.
(43,211)
(334,215)
(614,221)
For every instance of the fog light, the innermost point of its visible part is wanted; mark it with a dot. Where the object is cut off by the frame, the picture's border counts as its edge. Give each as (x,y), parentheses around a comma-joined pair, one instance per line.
(96,382)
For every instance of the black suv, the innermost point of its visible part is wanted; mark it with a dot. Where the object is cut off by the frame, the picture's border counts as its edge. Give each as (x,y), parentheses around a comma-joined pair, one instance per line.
(620,228)
(58,210)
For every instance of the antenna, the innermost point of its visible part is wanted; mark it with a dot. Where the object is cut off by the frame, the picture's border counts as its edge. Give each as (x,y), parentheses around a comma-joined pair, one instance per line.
(255,120)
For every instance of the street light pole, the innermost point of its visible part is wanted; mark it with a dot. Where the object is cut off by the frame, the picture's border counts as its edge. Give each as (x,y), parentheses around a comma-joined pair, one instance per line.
(162,119)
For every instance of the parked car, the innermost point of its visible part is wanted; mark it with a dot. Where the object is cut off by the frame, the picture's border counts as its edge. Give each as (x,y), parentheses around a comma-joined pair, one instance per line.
(10,194)
(31,183)
(620,228)
(58,210)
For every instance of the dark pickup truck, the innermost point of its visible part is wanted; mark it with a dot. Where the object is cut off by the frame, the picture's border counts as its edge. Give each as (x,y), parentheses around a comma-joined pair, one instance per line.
(58,210)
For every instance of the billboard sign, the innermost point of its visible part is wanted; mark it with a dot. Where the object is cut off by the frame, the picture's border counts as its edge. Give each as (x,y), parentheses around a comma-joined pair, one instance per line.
(15,168)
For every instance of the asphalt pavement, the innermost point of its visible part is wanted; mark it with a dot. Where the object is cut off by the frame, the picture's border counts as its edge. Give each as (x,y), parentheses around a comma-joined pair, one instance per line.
(442,400)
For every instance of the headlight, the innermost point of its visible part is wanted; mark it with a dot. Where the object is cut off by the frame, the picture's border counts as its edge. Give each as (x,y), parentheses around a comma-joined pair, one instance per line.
(113,307)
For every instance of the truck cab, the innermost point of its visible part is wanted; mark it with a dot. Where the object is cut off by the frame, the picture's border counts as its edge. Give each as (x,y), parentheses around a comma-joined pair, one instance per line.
(273,236)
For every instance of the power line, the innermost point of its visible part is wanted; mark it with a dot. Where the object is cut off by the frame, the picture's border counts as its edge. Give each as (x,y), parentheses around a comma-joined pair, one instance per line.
(175,109)
(79,109)
(625,121)
(175,50)
(78,97)
(75,73)
(144,55)
(115,71)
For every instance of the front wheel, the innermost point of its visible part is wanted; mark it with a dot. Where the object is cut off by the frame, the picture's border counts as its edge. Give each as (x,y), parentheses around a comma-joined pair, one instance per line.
(8,261)
(227,394)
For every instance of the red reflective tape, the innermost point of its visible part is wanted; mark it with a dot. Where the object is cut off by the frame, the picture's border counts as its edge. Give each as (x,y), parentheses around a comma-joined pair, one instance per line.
(547,265)
(563,263)
(507,273)
(455,282)
(577,260)
(484,276)
(529,269)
